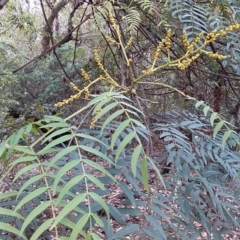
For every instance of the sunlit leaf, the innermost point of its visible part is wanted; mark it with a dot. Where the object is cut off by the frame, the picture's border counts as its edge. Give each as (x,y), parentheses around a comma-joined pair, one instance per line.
(8,212)
(29,182)
(205,110)
(95,181)
(25,170)
(75,180)
(105,110)
(95,152)
(199,103)
(125,231)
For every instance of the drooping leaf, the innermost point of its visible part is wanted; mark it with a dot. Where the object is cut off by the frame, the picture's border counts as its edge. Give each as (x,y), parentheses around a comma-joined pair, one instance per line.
(135,158)
(213,117)
(217,128)
(144,170)
(99,200)
(226,136)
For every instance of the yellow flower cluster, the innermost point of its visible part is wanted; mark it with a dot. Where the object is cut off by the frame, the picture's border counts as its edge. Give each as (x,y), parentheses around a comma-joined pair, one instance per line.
(158,50)
(165,42)
(111,40)
(212,36)
(100,65)
(85,75)
(168,41)
(129,43)
(86,93)
(94,119)
(195,42)
(72,97)
(214,55)
(185,40)
(186,63)
(74,87)
(113,23)
(97,59)
(148,71)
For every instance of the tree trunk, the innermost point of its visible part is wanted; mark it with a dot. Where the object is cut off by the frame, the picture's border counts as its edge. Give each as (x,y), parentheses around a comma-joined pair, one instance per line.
(3,3)
(48,28)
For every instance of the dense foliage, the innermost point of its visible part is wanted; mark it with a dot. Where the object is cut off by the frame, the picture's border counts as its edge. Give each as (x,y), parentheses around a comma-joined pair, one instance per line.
(119,119)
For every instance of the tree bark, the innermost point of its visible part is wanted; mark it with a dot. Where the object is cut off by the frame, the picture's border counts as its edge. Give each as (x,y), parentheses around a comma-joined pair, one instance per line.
(48,28)
(3,3)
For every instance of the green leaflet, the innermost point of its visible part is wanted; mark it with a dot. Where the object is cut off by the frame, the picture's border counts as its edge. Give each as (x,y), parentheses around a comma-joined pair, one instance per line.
(63,170)
(68,208)
(43,227)
(68,186)
(135,158)
(226,136)
(144,170)
(118,131)
(123,144)
(110,118)
(217,128)
(106,109)
(8,228)
(79,225)
(38,210)
(30,196)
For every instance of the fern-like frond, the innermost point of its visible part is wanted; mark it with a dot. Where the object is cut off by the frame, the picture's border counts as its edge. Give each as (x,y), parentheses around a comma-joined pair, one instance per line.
(133,18)
(193,16)
(147,5)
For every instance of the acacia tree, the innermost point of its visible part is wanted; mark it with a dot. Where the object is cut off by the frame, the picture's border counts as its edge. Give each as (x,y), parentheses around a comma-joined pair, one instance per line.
(71,23)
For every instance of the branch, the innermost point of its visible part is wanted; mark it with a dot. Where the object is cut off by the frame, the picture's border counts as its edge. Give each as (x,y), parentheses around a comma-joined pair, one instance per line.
(47,30)
(58,44)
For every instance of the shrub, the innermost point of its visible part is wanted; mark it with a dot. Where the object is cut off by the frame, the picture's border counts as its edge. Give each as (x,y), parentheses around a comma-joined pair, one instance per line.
(69,191)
